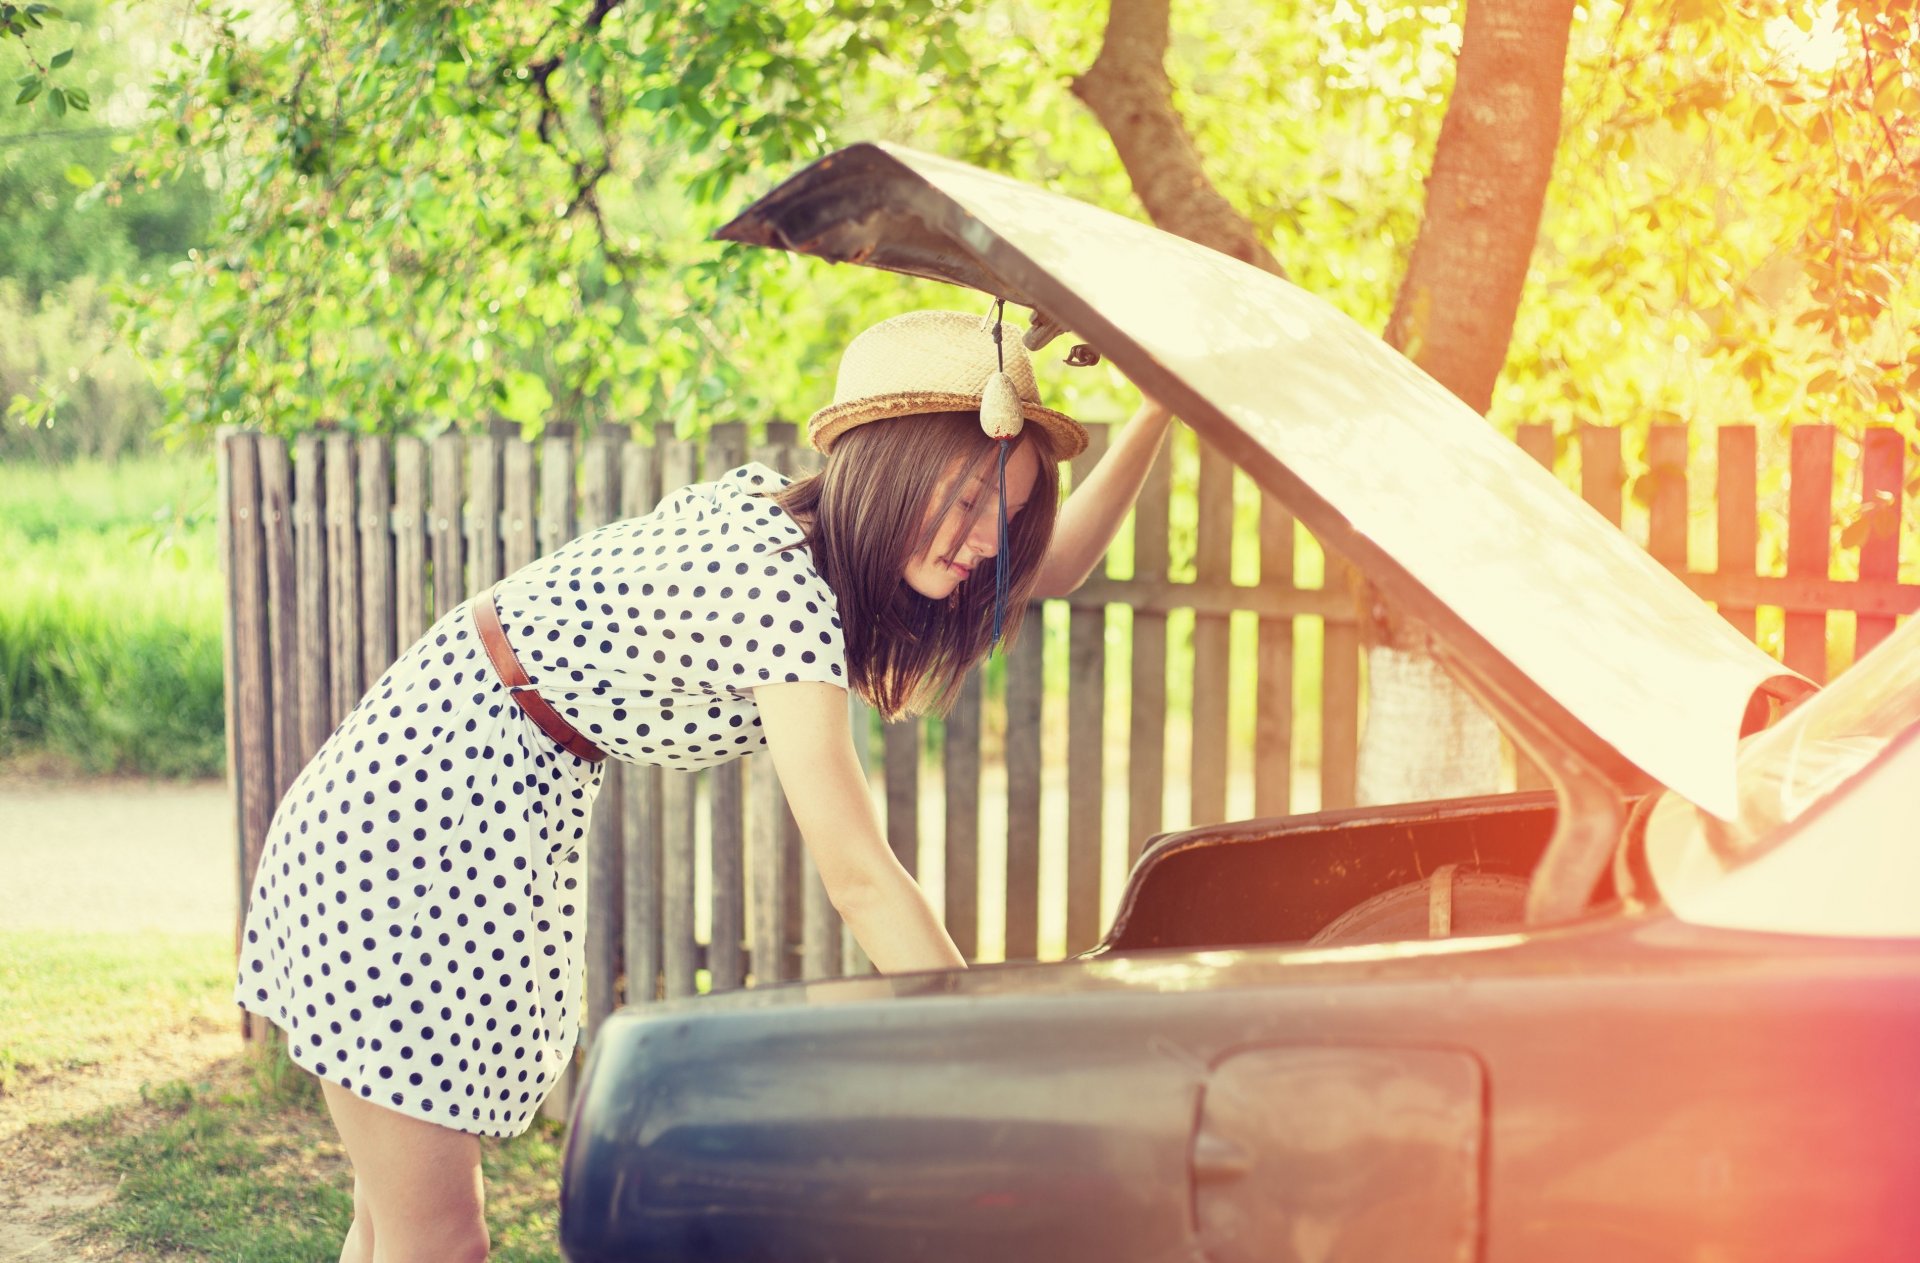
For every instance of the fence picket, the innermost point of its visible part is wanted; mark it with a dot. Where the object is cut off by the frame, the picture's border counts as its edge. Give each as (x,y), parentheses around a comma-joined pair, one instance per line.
(640,804)
(276,524)
(412,584)
(252,771)
(961,760)
(1339,698)
(519,525)
(1600,472)
(448,534)
(1667,496)
(556,520)
(1738,518)
(375,520)
(343,576)
(485,554)
(1212,640)
(1809,543)
(311,596)
(1273,667)
(1882,474)
(1147,695)
(1086,742)
(599,504)
(678,946)
(1025,664)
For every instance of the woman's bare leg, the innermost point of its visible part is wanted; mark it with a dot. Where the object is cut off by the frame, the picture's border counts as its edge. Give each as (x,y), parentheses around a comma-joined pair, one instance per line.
(358,1247)
(420,1183)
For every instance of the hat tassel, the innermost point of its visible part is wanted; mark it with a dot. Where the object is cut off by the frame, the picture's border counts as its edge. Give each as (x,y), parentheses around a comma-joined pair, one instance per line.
(1000,557)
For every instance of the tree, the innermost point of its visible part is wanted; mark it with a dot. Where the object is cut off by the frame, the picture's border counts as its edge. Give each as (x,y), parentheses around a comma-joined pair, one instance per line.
(1453,317)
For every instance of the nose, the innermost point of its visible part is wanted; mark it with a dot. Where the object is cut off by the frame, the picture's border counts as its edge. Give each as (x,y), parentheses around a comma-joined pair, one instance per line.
(984,539)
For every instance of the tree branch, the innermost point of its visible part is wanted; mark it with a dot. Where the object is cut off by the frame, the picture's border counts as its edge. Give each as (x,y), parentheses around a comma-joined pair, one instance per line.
(1128,90)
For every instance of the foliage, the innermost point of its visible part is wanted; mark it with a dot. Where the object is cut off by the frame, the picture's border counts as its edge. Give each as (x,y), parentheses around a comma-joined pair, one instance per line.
(26,25)
(1732,234)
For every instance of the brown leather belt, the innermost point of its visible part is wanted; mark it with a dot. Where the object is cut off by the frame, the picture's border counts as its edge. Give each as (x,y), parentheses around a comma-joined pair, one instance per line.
(486,617)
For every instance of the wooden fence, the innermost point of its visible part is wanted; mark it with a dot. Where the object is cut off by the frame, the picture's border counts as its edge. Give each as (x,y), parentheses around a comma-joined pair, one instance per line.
(341,551)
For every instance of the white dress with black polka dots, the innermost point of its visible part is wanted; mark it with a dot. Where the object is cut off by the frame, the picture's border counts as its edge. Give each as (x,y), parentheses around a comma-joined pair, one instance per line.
(414,925)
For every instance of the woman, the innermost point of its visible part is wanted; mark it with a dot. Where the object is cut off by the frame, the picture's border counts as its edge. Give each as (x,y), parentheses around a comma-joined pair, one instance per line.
(414,925)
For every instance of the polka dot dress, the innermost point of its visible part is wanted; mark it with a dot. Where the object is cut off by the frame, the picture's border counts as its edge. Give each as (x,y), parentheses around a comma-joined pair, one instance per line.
(414,926)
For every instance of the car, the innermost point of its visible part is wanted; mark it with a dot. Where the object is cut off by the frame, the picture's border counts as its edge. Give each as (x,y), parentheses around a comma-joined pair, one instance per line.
(1668,1009)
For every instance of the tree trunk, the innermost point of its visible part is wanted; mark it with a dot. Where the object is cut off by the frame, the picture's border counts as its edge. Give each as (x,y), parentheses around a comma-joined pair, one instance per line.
(1453,316)
(1425,737)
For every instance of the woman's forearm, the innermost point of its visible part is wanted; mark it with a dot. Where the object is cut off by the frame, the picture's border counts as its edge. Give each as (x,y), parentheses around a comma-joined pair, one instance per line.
(1093,512)
(896,926)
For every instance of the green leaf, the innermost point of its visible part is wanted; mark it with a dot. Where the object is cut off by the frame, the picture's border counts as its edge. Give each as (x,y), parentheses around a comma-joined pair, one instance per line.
(57,100)
(60,59)
(79,176)
(29,92)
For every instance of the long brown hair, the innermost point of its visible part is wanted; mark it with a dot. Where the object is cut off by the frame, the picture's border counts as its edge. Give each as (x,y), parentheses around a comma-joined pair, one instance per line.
(866,516)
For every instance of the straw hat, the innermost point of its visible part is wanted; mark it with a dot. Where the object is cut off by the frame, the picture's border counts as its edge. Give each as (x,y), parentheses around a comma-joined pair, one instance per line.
(934,361)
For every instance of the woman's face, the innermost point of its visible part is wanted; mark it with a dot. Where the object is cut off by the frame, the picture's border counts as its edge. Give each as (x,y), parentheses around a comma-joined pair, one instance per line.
(955,551)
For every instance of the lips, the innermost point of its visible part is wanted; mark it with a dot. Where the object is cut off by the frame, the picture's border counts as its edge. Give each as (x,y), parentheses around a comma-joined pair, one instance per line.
(957,568)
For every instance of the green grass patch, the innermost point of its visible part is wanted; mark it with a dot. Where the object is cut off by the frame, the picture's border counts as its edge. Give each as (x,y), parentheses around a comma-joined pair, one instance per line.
(251,1171)
(72,1000)
(111,619)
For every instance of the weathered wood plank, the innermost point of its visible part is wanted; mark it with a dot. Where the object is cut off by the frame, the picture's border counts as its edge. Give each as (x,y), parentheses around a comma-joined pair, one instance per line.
(1600,473)
(1667,496)
(1086,742)
(1273,664)
(727,794)
(767,875)
(343,579)
(1147,704)
(413,592)
(900,760)
(1339,700)
(1212,682)
(1809,543)
(486,561)
(961,760)
(606,880)
(312,608)
(252,681)
(556,489)
(1882,476)
(447,533)
(374,518)
(519,524)
(641,823)
(1808,595)
(1736,502)
(283,651)
(1211,598)
(1025,692)
(677,855)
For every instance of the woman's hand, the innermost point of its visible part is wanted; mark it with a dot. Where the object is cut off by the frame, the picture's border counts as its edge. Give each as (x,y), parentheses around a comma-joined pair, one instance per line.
(812,746)
(1095,508)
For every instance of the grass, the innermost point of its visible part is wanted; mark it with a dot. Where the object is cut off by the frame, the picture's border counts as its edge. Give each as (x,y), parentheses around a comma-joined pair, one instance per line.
(110,622)
(73,1000)
(243,1165)
(250,1171)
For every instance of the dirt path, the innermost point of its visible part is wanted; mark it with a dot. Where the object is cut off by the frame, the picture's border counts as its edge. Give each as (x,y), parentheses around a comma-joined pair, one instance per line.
(89,856)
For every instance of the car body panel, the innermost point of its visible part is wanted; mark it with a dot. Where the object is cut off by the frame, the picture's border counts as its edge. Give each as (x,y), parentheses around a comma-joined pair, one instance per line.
(1651,1091)
(1531,589)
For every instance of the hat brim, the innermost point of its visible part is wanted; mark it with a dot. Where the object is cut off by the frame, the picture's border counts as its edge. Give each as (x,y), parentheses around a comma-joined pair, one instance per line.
(1068,437)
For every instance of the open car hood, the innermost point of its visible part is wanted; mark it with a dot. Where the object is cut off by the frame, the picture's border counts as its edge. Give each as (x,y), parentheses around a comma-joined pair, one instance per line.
(1542,606)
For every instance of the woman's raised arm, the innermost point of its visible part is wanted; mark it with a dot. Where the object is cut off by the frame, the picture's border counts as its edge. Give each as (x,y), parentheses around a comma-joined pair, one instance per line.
(812,747)
(1093,511)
